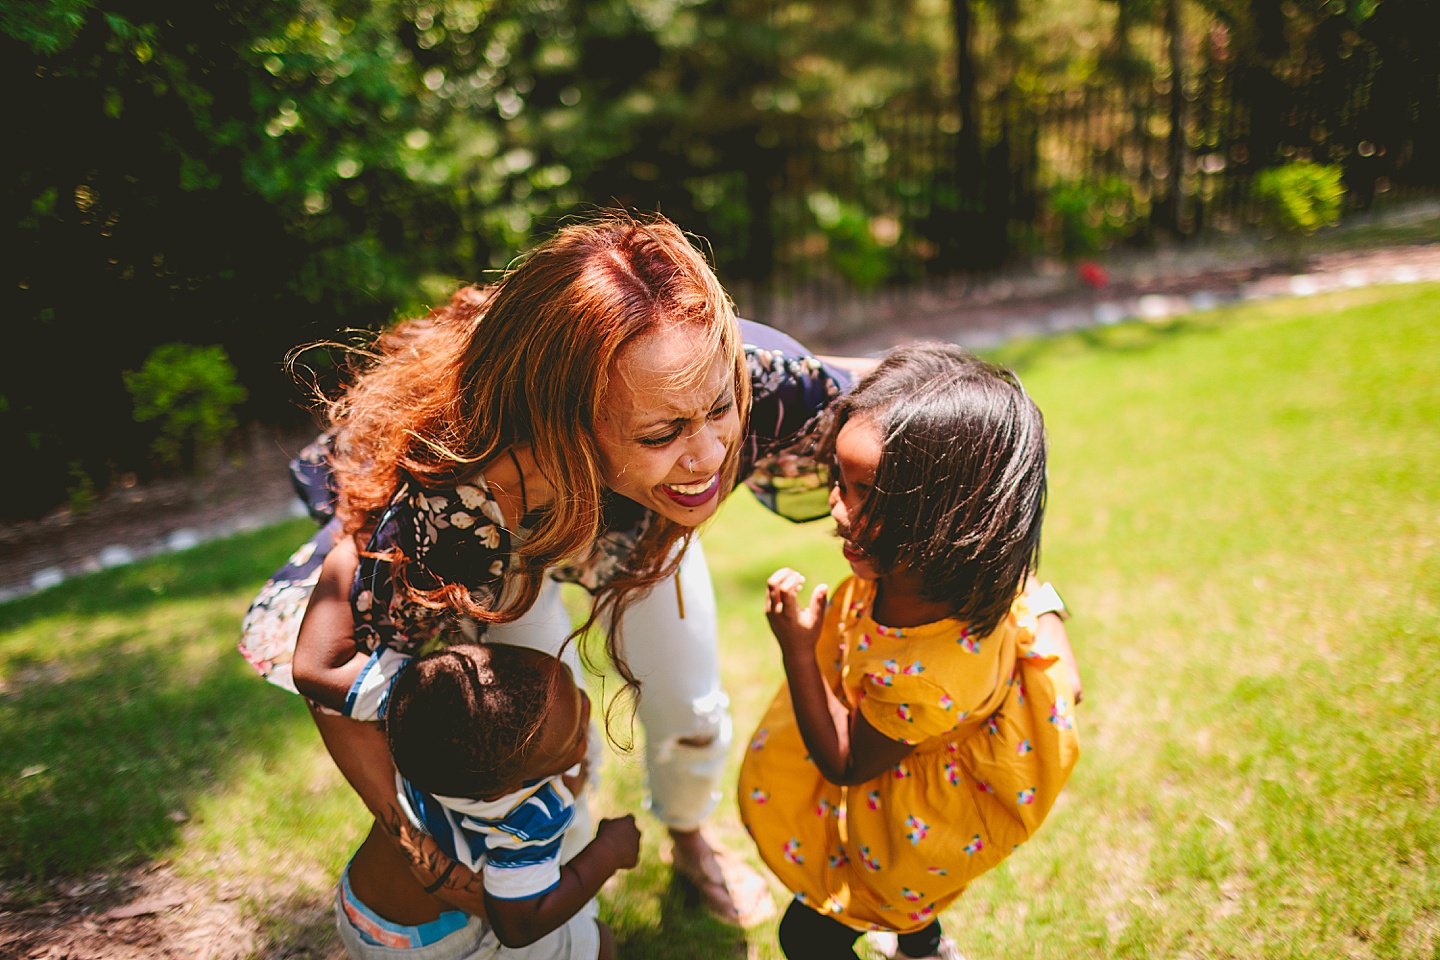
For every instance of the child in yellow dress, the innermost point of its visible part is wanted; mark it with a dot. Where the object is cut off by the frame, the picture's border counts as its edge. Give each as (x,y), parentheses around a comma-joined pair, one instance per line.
(927,722)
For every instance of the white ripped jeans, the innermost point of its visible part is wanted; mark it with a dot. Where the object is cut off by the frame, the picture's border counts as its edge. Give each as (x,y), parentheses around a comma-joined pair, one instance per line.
(677,662)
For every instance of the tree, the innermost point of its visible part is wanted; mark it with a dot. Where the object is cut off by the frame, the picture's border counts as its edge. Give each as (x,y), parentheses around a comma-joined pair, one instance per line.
(238,173)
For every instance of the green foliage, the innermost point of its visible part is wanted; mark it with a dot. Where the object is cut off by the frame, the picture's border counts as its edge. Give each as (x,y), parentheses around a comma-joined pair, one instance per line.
(1088,216)
(258,174)
(81,492)
(854,251)
(1299,198)
(261,173)
(192,393)
(44,25)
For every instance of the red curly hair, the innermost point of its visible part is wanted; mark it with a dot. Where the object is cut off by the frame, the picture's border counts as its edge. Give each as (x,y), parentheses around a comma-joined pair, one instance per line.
(528,361)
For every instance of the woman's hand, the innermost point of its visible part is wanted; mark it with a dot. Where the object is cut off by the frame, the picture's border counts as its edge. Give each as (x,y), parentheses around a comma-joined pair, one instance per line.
(795,628)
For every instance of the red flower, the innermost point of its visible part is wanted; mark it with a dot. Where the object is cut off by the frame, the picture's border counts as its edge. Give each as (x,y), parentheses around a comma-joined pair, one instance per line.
(1092,274)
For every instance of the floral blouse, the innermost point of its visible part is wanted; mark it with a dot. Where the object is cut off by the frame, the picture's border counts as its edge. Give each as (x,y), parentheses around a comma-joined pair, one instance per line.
(457,534)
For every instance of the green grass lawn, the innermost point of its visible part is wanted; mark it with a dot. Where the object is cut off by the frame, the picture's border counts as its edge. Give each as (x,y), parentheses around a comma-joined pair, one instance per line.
(1243,517)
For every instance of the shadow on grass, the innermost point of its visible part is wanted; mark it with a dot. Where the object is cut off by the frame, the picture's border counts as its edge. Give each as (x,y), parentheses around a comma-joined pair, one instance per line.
(683,930)
(104,765)
(299,927)
(114,730)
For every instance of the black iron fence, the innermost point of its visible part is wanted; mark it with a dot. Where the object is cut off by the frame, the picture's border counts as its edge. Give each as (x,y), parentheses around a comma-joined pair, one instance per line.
(898,196)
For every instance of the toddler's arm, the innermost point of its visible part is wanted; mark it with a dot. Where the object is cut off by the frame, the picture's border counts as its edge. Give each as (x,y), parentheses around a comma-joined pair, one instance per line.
(518,923)
(326,659)
(1050,630)
(843,744)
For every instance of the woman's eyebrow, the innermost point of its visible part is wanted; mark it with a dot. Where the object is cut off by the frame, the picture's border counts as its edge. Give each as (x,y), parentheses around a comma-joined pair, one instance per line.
(680,420)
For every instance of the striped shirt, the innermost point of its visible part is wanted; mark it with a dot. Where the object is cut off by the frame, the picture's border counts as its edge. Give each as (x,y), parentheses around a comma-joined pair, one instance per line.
(513,841)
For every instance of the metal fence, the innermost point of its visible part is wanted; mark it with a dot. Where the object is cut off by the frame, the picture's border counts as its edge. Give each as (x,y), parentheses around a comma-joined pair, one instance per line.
(900,197)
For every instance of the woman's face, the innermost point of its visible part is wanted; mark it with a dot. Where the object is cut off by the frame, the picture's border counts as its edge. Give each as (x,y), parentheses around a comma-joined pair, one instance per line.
(664,431)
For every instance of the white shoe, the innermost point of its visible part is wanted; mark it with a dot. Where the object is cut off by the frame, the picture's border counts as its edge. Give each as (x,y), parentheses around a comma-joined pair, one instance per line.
(884,944)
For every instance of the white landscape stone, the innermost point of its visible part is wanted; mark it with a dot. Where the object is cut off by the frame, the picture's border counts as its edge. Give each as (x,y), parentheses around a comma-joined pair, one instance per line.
(47,578)
(1110,312)
(1155,306)
(183,539)
(115,556)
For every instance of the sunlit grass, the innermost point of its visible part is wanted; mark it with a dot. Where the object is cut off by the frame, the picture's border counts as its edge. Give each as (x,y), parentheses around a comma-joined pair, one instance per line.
(1243,518)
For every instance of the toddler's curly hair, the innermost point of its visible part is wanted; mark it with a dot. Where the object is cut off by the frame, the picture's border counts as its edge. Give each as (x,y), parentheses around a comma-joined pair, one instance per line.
(462,721)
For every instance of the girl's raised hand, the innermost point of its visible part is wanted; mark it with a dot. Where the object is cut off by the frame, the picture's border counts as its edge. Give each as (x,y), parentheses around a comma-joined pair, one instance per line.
(797,629)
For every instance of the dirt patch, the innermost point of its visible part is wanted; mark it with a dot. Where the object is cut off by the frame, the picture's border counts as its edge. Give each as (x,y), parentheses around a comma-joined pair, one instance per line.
(149,913)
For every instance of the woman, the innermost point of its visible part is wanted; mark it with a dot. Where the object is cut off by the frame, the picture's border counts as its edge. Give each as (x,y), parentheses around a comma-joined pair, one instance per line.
(577,422)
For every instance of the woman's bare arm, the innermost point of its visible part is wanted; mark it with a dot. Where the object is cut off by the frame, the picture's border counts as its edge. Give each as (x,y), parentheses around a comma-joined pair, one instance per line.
(326,664)
(326,659)
(855,366)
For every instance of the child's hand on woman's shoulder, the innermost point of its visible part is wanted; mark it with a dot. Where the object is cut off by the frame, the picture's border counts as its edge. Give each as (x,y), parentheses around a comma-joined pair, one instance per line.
(795,627)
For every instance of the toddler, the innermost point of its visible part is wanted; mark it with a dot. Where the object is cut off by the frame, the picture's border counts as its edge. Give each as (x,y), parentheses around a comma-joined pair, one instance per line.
(926,726)
(489,741)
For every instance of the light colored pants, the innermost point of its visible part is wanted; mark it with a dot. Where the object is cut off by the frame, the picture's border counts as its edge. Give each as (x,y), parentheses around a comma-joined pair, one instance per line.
(677,662)
(576,939)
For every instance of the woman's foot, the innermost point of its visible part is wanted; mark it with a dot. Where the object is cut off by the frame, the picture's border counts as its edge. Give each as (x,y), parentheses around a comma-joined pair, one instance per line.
(730,889)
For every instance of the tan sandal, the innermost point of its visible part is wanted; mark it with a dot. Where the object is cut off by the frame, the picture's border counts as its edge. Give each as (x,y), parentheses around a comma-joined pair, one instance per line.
(738,896)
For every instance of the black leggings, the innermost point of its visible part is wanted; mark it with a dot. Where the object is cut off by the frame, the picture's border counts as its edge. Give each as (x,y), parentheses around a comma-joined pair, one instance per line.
(808,935)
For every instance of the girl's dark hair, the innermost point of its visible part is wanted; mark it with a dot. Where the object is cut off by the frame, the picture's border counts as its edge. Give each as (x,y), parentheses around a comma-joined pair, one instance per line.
(960,491)
(461,721)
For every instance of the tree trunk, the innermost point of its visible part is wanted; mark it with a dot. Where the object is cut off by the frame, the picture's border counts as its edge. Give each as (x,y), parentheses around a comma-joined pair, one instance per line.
(1178,215)
(968,144)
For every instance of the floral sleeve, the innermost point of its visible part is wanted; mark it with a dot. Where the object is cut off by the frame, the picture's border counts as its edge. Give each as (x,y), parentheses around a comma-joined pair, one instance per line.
(313,478)
(452,535)
(790,389)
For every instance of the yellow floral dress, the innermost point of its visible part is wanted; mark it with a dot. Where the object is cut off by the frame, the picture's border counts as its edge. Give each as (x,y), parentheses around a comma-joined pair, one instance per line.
(992,720)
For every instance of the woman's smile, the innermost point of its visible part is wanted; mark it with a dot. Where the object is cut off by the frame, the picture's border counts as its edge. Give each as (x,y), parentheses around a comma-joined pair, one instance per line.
(693,494)
(667,424)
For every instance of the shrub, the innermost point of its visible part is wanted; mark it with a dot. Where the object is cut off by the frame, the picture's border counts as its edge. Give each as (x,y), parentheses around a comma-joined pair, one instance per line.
(1088,216)
(192,392)
(851,246)
(1299,198)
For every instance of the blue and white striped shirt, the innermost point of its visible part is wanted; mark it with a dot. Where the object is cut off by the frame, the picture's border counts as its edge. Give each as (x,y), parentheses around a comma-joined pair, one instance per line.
(513,841)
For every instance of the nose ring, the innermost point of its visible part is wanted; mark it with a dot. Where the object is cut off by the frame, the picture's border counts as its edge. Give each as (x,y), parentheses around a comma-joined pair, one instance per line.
(691,466)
